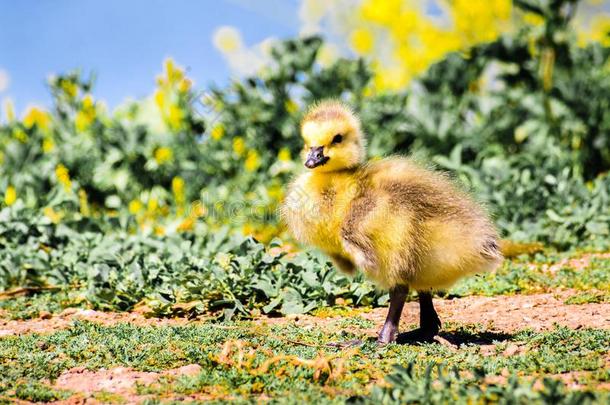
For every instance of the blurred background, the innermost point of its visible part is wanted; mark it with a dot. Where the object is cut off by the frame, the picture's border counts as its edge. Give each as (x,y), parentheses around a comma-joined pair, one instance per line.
(169,130)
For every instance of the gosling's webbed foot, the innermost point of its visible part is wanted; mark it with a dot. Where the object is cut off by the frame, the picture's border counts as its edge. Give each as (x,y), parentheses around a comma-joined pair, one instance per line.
(387,334)
(429,323)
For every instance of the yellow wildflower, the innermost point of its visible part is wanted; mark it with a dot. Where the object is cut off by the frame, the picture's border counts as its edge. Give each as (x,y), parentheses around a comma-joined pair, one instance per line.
(84,202)
(159,230)
(291,107)
(198,210)
(53,215)
(362,40)
(284,155)
(172,72)
(175,116)
(160,99)
(48,145)
(600,30)
(152,205)
(163,155)
(252,161)
(178,189)
(187,225)
(86,115)
(9,110)
(184,85)
(239,145)
(217,132)
(63,177)
(38,117)
(10,196)
(20,135)
(248,229)
(69,88)
(276,192)
(135,206)
(533,19)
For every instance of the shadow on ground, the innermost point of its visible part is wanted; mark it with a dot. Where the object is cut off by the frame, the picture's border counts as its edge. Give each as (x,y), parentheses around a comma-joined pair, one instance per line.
(456,338)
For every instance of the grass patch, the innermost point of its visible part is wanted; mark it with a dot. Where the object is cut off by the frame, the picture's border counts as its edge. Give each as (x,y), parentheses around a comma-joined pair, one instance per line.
(545,273)
(244,361)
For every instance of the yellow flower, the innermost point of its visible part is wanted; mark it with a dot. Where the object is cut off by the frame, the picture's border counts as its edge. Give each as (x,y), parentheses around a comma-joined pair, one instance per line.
(48,145)
(160,99)
(53,215)
(362,40)
(135,206)
(178,189)
(276,192)
(163,155)
(601,29)
(10,196)
(69,88)
(175,117)
(533,19)
(63,177)
(252,161)
(84,202)
(152,205)
(184,85)
(291,107)
(198,209)
(239,145)
(413,39)
(38,117)
(159,230)
(217,132)
(86,115)
(284,155)
(187,225)
(20,135)
(172,72)
(9,109)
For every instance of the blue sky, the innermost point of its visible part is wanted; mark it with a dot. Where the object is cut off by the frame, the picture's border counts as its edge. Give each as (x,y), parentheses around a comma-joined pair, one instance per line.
(125,42)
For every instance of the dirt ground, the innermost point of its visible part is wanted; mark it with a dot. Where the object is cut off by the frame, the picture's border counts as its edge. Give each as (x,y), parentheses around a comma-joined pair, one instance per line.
(498,315)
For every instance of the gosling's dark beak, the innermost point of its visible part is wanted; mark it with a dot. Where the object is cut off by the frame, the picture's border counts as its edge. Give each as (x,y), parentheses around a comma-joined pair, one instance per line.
(316,157)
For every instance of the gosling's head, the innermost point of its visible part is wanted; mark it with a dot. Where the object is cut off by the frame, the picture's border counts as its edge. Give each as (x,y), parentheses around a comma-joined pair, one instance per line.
(333,137)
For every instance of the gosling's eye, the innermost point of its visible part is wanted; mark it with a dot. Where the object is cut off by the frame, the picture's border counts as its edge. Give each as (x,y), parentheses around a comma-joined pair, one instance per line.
(337,139)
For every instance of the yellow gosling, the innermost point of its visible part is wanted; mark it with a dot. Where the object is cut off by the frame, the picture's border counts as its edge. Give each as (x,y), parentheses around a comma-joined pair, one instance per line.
(403,225)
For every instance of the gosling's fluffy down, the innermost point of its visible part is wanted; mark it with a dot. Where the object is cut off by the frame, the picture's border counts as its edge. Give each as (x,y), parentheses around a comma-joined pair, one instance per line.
(400,223)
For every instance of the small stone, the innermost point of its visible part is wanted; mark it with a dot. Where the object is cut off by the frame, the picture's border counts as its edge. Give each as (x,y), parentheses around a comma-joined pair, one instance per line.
(42,345)
(45,315)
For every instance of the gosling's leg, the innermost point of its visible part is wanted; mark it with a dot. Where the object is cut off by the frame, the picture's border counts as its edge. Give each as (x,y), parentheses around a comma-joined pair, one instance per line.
(388,333)
(429,323)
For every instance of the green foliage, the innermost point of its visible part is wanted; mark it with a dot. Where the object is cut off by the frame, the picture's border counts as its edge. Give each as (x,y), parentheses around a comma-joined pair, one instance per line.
(288,363)
(206,272)
(437,386)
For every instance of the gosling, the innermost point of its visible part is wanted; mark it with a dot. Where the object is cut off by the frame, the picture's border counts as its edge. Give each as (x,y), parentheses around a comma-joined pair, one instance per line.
(402,225)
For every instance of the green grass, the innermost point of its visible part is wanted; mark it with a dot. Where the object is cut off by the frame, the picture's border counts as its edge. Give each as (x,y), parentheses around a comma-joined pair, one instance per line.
(287,362)
(525,275)
(522,275)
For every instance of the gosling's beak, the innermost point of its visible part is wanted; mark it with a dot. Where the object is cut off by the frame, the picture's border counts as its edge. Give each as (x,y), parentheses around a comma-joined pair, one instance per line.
(316,157)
